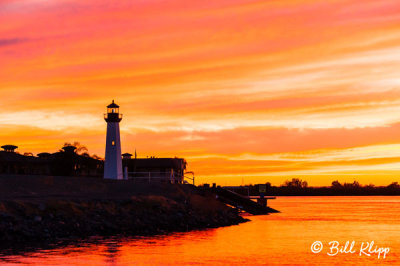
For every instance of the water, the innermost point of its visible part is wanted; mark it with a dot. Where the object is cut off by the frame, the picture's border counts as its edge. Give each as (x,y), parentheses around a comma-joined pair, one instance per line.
(275,239)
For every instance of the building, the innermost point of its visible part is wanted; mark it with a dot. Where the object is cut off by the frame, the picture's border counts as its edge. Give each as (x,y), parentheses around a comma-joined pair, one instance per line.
(13,163)
(65,162)
(155,169)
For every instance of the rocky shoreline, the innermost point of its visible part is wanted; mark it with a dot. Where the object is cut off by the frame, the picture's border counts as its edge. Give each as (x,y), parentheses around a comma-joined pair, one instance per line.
(149,209)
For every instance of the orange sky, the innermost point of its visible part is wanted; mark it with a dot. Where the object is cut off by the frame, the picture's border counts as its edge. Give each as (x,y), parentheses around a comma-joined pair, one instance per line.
(247,91)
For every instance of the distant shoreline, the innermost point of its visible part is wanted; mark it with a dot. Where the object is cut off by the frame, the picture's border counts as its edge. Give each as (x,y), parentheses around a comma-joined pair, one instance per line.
(337,195)
(298,187)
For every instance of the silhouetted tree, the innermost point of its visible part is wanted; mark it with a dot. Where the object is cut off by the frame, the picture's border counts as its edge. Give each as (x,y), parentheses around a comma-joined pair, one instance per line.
(336,184)
(296,182)
(298,187)
(394,185)
(80,149)
(355,184)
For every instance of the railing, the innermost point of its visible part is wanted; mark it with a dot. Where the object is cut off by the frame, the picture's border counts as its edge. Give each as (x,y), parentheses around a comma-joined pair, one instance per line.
(154,176)
(188,177)
(170,176)
(117,116)
(233,189)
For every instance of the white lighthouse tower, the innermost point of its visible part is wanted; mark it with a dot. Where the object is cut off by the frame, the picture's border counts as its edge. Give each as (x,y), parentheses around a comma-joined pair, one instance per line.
(113,161)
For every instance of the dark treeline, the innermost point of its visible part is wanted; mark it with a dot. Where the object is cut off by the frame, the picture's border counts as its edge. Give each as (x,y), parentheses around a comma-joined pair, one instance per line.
(298,187)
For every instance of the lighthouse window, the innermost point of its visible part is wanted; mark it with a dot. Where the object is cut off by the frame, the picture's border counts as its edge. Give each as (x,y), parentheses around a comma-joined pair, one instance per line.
(113,143)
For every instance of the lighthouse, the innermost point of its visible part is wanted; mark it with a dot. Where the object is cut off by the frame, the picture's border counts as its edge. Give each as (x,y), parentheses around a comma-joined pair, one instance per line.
(113,161)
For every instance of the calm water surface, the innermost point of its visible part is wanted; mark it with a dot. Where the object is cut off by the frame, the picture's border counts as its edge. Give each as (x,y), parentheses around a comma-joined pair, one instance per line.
(276,239)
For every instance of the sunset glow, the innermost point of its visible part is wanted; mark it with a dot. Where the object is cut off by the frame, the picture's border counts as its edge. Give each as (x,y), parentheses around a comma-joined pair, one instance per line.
(247,91)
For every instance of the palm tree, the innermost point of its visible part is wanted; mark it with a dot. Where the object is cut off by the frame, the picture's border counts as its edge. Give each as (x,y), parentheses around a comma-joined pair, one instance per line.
(79,147)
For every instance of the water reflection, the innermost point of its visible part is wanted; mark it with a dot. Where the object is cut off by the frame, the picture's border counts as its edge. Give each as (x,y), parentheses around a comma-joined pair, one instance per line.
(111,252)
(283,238)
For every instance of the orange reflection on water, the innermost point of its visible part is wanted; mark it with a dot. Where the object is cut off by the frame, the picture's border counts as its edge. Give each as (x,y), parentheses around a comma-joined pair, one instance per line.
(275,239)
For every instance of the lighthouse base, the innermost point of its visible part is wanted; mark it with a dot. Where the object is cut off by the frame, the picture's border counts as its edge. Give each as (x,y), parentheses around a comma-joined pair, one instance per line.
(113,160)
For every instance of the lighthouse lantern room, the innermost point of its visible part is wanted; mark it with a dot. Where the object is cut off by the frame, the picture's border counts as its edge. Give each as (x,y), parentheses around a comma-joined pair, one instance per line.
(113,160)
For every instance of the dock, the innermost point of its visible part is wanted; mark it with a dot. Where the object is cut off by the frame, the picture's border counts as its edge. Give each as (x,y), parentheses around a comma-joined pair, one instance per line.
(242,202)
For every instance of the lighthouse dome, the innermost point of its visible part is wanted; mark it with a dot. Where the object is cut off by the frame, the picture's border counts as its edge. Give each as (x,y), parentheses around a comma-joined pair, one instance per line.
(113,105)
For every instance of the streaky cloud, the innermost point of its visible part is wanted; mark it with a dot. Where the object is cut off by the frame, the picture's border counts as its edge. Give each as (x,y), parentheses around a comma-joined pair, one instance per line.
(12,41)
